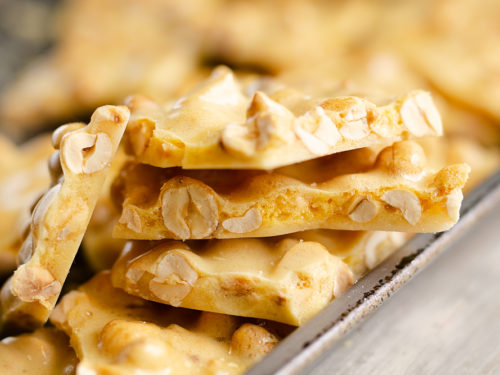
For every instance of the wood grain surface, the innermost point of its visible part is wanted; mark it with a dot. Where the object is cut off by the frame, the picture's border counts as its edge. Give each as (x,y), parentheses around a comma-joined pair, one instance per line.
(445,321)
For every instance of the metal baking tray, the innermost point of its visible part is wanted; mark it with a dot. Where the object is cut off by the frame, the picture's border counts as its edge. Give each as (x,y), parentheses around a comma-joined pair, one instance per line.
(323,332)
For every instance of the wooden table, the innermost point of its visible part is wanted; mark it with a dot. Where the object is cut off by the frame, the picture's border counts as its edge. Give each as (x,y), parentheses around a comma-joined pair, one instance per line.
(445,321)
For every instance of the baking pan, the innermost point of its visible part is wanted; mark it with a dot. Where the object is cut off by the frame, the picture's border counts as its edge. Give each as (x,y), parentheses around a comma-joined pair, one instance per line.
(320,334)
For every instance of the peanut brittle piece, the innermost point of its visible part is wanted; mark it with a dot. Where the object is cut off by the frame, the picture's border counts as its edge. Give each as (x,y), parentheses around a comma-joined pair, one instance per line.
(61,216)
(116,333)
(43,352)
(281,280)
(23,178)
(287,279)
(217,125)
(399,192)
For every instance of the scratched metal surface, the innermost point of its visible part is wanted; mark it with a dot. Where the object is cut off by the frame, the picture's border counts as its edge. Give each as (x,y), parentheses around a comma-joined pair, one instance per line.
(323,332)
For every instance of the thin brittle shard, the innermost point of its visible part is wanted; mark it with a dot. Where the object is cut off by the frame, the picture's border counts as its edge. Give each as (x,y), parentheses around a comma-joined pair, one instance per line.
(286,279)
(283,280)
(220,125)
(396,192)
(61,216)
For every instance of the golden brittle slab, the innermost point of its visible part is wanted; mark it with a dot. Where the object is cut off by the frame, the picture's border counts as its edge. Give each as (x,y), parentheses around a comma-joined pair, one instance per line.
(396,193)
(222,125)
(287,279)
(61,216)
(116,333)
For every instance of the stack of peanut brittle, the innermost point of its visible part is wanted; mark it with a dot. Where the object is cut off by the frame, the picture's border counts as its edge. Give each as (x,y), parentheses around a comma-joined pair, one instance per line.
(240,199)
(203,212)
(240,209)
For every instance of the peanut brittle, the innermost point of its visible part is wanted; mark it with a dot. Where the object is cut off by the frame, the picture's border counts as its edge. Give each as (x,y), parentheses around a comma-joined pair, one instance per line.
(116,333)
(397,193)
(43,352)
(61,216)
(287,279)
(218,126)
(23,177)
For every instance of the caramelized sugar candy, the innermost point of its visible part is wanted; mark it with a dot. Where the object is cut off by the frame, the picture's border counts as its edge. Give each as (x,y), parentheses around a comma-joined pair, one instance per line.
(286,279)
(61,216)
(23,178)
(220,125)
(399,192)
(116,333)
(45,351)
